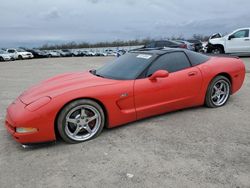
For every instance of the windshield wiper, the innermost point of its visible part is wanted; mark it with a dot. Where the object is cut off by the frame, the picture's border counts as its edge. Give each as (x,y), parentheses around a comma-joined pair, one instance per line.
(94,73)
(99,75)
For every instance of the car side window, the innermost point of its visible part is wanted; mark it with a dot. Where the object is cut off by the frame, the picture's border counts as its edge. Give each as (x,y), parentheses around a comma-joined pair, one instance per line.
(171,62)
(151,45)
(160,44)
(11,51)
(241,34)
(171,43)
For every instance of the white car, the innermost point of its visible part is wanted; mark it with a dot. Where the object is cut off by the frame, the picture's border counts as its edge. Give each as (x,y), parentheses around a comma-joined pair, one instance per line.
(20,53)
(237,42)
(52,53)
(91,53)
(5,56)
(110,52)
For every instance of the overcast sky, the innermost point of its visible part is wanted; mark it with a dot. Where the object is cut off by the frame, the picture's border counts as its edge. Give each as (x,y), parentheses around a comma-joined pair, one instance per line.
(36,22)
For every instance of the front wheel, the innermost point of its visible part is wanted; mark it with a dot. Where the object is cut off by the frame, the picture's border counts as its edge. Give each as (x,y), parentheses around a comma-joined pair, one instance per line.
(218,92)
(80,120)
(217,50)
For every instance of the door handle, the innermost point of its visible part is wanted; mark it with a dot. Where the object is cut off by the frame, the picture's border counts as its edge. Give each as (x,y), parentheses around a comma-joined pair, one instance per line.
(192,73)
(246,39)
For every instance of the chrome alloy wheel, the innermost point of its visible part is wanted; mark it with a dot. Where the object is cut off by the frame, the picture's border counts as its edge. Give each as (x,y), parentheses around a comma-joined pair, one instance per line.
(82,122)
(220,93)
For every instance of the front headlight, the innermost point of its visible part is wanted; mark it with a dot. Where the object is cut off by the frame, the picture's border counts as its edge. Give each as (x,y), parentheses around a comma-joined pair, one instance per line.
(38,104)
(26,130)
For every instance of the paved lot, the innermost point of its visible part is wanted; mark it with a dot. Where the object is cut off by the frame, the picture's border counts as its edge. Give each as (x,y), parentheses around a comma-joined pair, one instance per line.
(198,147)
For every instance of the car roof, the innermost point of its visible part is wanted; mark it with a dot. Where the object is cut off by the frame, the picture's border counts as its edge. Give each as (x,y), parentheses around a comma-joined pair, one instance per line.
(157,51)
(242,28)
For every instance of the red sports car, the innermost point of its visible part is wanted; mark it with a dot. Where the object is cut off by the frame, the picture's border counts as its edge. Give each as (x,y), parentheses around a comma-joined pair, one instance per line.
(139,84)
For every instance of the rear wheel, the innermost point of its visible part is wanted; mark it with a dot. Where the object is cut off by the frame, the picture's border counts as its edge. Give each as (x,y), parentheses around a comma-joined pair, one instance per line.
(81,120)
(1,59)
(218,92)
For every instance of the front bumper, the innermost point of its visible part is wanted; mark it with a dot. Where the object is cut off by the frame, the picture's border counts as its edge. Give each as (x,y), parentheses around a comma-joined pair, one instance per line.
(17,116)
(209,47)
(7,58)
(27,56)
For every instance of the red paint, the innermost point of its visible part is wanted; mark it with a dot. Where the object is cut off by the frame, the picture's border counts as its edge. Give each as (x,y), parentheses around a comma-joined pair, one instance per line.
(124,100)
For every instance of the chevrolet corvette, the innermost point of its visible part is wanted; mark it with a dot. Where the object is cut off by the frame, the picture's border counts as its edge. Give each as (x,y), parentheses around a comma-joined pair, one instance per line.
(142,83)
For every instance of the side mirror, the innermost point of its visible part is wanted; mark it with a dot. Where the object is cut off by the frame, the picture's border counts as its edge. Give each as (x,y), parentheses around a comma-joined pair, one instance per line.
(230,37)
(159,74)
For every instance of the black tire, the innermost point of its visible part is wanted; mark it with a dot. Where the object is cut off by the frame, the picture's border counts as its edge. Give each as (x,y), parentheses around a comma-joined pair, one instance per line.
(209,102)
(61,121)
(1,59)
(217,50)
(20,57)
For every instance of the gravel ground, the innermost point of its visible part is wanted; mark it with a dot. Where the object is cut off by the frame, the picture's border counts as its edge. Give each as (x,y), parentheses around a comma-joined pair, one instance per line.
(197,147)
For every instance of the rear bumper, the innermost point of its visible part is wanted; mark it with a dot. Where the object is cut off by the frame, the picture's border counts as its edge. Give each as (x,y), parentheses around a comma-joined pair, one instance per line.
(18,116)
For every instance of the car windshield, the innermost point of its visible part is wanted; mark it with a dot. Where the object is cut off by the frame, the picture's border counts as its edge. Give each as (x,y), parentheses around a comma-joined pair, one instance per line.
(3,52)
(21,50)
(126,67)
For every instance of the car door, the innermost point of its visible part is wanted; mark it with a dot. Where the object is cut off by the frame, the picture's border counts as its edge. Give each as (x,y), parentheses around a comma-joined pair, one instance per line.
(238,42)
(176,91)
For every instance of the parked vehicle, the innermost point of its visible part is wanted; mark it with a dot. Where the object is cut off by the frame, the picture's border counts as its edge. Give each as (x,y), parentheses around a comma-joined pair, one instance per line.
(165,43)
(121,52)
(38,53)
(110,52)
(83,52)
(65,53)
(53,53)
(136,85)
(91,53)
(190,46)
(237,42)
(76,53)
(99,53)
(5,56)
(20,53)
(197,45)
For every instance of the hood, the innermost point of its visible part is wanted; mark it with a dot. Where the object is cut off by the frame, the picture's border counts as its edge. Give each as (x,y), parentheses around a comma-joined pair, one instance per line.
(216,40)
(61,84)
(5,55)
(215,35)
